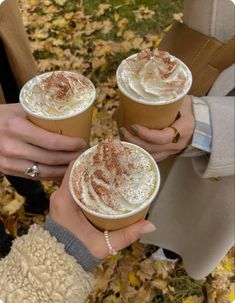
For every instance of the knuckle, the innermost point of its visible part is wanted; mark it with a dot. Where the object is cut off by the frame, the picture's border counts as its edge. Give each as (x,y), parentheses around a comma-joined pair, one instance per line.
(127,237)
(181,145)
(51,159)
(52,173)
(6,148)
(53,143)
(13,124)
(162,140)
(4,164)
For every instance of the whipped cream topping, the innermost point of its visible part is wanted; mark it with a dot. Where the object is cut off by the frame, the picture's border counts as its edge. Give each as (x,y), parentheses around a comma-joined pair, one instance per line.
(57,94)
(153,77)
(113,178)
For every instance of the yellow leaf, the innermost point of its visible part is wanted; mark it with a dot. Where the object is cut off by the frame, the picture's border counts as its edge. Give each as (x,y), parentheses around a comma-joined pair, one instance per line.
(228,264)
(178,17)
(103,50)
(107,26)
(60,2)
(111,260)
(60,22)
(137,42)
(51,9)
(69,16)
(12,207)
(99,62)
(134,280)
(77,42)
(159,283)
(189,300)
(102,8)
(116,17)
(167,28)
(143,12)
(232,296)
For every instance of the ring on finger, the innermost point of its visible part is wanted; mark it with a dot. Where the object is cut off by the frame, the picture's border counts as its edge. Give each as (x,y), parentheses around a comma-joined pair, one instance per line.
(176,135)
(32,171)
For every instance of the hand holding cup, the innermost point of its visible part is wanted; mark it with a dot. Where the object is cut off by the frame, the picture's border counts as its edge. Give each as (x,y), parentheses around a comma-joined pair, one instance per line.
(23,144)
(160,143)
(65,211)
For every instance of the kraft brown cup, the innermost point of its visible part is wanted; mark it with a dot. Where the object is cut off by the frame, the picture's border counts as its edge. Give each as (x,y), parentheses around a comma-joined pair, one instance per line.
(156,115)
(115,222)
(74,125)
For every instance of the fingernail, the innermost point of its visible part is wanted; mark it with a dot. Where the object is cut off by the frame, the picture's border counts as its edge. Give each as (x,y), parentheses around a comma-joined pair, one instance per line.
(147,227)
(122,131)
(134,129)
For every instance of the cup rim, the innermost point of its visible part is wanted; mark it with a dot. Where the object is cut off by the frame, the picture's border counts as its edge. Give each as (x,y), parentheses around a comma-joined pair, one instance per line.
(74,114)
(124,215)
(141,101)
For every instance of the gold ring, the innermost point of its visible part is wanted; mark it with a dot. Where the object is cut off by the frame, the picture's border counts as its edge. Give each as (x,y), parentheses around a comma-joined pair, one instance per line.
(176,136)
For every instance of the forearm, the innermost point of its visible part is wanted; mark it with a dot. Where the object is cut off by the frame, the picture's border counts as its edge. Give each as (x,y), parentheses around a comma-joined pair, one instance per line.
(38,269)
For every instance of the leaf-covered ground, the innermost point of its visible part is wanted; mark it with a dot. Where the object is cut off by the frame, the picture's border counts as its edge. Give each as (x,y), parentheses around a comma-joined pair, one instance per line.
(92,37)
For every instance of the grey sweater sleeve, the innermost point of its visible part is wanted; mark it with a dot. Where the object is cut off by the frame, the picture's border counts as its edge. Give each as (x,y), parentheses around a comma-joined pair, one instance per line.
(73,246)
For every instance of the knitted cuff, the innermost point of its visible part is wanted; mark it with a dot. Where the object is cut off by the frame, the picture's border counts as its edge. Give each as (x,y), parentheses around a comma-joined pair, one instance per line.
(73,246)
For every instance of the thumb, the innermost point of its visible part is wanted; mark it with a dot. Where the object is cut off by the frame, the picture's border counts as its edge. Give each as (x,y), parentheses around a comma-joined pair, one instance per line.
(126,236)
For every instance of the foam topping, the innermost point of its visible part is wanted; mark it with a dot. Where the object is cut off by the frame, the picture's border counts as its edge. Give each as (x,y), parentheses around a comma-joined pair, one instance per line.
(57,94)
(114,178)
(153,77)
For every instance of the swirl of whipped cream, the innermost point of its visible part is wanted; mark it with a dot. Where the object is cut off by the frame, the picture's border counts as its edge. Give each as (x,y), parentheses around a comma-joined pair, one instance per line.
(57,94)
(113,178)
(153,77)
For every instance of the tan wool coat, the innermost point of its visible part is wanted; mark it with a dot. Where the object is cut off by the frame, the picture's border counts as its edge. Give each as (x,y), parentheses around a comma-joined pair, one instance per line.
(13,36)
(194,211)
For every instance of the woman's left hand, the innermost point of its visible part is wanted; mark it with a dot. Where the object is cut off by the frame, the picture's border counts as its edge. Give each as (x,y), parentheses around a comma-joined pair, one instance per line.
(64,211)
(159,143)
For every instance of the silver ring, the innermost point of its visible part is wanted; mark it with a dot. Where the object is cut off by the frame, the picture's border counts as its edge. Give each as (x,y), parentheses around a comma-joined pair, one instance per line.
(112,251)
(32,171)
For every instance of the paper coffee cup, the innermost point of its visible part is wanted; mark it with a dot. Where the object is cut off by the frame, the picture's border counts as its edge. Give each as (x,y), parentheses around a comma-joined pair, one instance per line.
(116,221)
(154,114)
(76,123)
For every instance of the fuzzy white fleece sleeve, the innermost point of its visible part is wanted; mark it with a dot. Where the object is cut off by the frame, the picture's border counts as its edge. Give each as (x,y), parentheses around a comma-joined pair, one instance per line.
(38,270)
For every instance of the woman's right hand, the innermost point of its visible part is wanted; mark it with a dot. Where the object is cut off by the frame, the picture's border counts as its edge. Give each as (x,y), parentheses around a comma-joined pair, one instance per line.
(22,144)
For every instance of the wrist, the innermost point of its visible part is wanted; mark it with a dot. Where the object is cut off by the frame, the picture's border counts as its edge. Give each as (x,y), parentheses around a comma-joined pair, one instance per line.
(73,246)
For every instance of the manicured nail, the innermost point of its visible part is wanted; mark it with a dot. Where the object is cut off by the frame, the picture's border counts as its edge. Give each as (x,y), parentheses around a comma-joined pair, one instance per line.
(147,227)
(122,131)
(134,129)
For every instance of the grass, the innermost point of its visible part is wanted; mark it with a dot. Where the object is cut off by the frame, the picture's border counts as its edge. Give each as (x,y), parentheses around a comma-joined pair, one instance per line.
(164,11)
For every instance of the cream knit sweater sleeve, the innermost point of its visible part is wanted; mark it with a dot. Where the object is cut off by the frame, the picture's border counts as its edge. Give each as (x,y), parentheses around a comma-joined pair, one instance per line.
(37,270)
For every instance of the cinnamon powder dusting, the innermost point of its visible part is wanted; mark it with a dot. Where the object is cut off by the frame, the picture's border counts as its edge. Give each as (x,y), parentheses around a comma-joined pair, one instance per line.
(108,154)
(61,84)
(58,82)
(103,173)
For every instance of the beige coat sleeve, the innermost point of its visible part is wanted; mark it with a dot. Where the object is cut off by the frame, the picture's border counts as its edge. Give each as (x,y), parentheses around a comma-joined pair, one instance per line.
(38,270)
(220,162)
(16,44)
